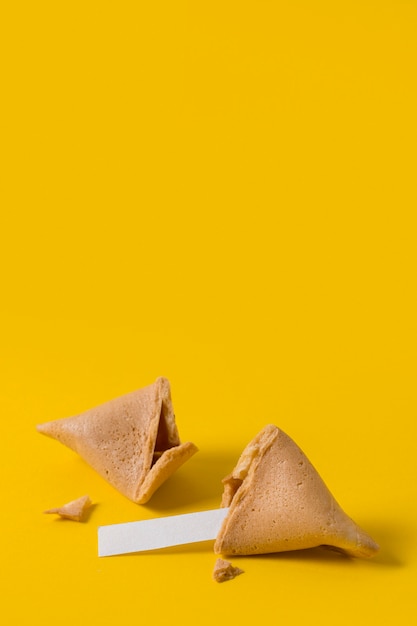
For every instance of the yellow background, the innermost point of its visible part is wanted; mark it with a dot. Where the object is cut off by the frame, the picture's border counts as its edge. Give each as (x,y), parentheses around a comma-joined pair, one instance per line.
(223,193)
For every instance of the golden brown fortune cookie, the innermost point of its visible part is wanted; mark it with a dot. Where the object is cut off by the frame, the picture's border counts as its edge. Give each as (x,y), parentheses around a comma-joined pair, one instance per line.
(278,502)
(132,441)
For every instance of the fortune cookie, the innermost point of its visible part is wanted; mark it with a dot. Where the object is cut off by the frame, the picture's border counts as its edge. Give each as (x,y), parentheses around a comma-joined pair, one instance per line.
(131,441)
(278,502)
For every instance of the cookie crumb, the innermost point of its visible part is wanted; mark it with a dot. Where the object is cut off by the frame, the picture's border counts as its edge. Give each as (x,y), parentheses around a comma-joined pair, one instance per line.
(224,570)
(73,510)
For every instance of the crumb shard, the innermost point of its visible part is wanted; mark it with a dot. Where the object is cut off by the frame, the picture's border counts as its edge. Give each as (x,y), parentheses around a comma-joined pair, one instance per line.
(224,570)
(73,510)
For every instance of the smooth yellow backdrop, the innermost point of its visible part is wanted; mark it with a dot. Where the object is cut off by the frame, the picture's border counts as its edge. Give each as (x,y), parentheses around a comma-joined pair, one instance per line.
(223,193)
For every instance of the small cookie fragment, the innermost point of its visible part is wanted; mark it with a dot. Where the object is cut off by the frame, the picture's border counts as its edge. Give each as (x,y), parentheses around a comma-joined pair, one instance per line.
(224,570)
(73,510)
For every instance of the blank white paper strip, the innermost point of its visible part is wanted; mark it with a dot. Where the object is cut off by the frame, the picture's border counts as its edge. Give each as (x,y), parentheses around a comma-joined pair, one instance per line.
(160,532)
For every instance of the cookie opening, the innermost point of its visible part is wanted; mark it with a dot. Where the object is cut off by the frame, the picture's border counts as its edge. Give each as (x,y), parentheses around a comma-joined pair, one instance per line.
(167,436)
(235,480)
(247,463)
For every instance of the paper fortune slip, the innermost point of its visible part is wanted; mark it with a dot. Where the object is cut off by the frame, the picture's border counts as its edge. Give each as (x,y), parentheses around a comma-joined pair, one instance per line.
(161,532)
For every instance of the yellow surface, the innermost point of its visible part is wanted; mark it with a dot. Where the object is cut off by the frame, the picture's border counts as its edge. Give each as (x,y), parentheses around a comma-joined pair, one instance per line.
(222,193)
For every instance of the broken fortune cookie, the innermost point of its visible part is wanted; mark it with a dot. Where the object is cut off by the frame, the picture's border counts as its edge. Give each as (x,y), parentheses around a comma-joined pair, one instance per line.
(278,502)
(132,441)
